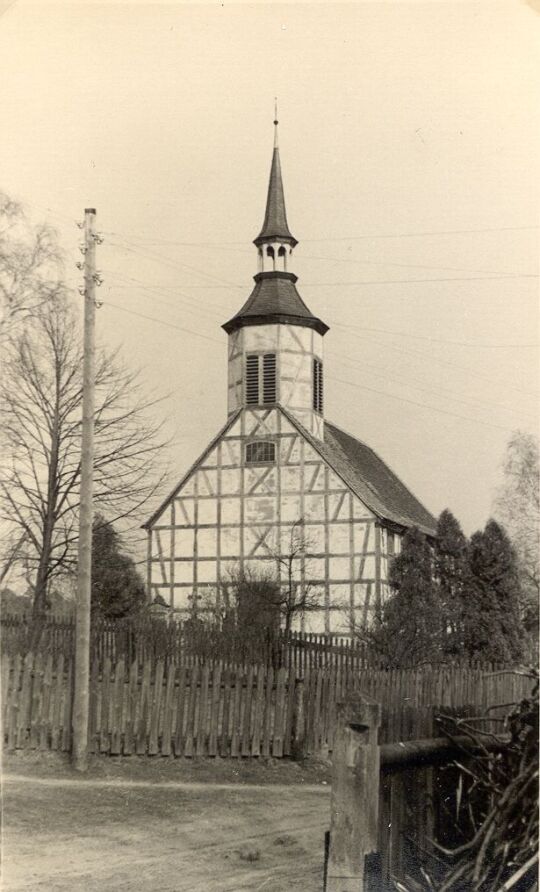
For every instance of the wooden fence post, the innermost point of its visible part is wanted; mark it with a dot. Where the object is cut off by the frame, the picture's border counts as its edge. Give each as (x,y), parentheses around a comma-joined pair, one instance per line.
(355,794)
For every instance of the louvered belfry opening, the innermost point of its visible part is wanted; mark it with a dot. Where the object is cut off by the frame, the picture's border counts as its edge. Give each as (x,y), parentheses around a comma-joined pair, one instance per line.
(252,380)
(269,378)
(261,381)
(317,385)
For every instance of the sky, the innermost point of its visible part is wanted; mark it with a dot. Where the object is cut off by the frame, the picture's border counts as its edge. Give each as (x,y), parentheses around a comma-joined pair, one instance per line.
(409,140)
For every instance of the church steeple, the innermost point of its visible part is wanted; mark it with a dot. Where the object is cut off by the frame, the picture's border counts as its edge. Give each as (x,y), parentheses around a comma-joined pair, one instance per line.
(275,227)
(275,341)
(275,297)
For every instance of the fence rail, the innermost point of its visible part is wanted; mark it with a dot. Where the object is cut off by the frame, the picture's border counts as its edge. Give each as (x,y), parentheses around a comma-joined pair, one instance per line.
(221,709)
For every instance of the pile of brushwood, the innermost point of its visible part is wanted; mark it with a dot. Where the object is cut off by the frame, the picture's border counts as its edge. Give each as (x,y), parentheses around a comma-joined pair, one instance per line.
(496,809)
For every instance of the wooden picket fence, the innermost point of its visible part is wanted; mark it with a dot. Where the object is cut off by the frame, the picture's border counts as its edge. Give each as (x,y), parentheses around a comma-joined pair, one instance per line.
(185,642)
(153,707)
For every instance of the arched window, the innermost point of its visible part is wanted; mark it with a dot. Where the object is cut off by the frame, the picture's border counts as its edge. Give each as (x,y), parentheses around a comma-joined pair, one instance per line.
(261,452)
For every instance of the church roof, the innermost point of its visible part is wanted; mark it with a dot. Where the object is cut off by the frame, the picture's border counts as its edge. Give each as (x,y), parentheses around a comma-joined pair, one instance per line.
(275,299)
(275,224)
(370,478)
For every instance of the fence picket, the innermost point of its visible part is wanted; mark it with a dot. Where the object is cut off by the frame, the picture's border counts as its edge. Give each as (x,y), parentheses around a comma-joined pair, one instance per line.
(214,709)
(236,712)
(203,711)
(246,723)
(277,741)
(29,700)
(224,741)
(57,691)
(104,738)
(290,703)
(167,734)
(143,709)
(258,714)
(67,706)
(45,719)
(180,693)
(157,692)
(117,708)
(191,710)
(267,718)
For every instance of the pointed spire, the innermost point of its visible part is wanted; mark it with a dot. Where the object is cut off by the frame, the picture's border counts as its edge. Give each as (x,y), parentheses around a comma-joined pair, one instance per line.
(275,226)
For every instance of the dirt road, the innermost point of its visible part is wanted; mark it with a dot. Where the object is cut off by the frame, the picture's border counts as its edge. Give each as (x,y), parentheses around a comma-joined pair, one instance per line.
(90,835)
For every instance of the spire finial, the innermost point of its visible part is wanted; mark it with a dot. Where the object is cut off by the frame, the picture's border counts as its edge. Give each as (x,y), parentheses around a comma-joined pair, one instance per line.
(276,122)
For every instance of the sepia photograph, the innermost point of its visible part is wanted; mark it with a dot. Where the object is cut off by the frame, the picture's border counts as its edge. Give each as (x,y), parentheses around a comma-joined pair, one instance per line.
(269,445)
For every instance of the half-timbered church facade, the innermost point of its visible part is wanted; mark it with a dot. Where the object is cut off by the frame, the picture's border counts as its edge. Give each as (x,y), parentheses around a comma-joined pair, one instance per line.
(279,478)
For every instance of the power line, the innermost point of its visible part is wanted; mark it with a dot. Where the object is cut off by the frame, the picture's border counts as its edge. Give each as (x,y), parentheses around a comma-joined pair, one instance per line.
(402,334)
(159,258)
(184,299)
(445,394)
(197,334)
(421,281)
(421,405)
(354,238)
(332,378)
(342,238)
(158,289)
(358,328)
(457,269)
(432,358)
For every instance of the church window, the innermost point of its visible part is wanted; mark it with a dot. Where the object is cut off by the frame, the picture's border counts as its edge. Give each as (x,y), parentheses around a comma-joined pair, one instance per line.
(261,382)
(261,452)
(317,385)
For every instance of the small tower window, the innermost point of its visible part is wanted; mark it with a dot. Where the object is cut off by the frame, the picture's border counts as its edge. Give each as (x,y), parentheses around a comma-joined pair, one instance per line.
(261,381)
(261,452)
(317,385)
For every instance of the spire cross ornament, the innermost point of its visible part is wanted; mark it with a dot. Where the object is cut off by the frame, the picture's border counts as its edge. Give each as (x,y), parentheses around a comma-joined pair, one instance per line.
(276,122)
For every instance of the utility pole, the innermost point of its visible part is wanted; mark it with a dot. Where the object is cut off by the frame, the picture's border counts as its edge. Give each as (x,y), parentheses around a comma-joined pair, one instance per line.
(84,572)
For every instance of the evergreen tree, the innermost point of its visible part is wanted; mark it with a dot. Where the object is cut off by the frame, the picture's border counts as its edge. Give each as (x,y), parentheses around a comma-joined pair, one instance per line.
(409,629)
(117,588)
(491,625)
(451,573)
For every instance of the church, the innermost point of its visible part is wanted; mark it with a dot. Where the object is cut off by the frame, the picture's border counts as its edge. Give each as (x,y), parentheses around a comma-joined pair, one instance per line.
(280,489)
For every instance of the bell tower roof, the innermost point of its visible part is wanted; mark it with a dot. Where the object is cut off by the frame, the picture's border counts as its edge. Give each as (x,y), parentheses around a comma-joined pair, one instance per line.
(274,298)
(275,227)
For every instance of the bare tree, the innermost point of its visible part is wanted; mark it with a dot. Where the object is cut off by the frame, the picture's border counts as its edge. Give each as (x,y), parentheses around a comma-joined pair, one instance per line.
(298,594)
(270,597)
(517,506)
(41,396)
(30,269)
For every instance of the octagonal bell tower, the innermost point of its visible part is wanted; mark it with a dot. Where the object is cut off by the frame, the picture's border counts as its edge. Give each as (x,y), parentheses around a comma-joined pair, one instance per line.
(275,341)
